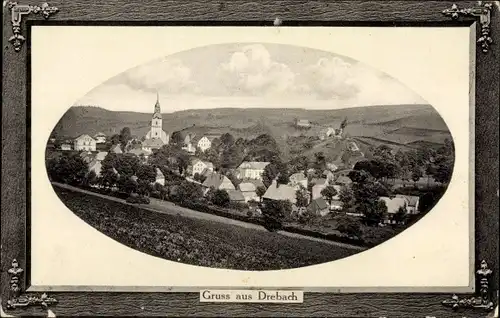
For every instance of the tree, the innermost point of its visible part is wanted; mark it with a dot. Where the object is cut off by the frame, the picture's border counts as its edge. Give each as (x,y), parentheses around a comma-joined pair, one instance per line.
(349,226)
(220,198)
(260,191)
(70,169)
(125,136)
(188,192)
(329,192)
(416,174)
(366,197)
(274,212)
(302,197)
(146,173)
(115,139)
(347,198)
(401,215)
(127,185)
(227,140)
(90,179)
(176,138)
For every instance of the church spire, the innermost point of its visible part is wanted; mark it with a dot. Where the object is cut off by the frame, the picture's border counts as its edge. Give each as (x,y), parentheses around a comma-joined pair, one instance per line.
(157,112)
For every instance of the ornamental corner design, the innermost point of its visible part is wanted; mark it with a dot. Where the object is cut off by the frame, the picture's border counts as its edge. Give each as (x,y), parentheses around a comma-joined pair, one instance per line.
(20,300)
(483,301)
(483,11)
(17,11)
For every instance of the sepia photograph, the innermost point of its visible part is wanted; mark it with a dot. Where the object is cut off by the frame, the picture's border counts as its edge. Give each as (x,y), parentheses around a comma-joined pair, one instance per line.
(251,156)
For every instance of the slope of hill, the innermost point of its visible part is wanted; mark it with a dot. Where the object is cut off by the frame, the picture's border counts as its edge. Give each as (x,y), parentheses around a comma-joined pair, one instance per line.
(396,123)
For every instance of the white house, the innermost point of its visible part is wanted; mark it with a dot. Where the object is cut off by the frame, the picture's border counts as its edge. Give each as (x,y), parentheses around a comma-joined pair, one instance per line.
(160,178)
(326,132)
(280,192)
(303,123)
(199,166)
(84,142)
(319,185)
(205,142)
(251,170)
(100,138)
(218,181)
(412,203)
(393,205)
(95,166)
(65,147)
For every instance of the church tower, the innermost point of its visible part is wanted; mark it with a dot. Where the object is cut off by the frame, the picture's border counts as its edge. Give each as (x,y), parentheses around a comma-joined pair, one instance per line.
(156,121)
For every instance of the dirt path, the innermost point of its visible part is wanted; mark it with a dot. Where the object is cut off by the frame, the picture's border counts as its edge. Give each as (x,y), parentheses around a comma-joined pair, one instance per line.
(167,207)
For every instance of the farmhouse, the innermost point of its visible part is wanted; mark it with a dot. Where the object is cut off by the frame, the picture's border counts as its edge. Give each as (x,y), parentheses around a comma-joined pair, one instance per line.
(199,166)
(205,142)
(100,138)
(251,170)
(280,192)
(218,182)
(84,142)
(393,206)
(318,207)
(412,203)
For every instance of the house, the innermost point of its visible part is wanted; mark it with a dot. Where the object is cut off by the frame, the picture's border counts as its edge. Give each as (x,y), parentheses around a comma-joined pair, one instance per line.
(280,192)
(336,205)
(65,147)
(205,142)
(326,132)
(101,155)
(338,133)
(218,182)
(153,143)
(248,189)
(236,196)
(332,166)
(87,157)
(298,178)
(84,142)
(303,123)
(199,166)
(100,138)
(116,149)
(343,180)
(393,205)
(251,170)
(95,166)
(189,148)
(140,152)
(412,203)
(318,207)
(352,146)
(160,178)
(321,184)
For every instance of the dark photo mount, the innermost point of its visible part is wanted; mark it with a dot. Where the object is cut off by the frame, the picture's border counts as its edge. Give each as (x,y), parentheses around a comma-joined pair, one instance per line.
(16,298)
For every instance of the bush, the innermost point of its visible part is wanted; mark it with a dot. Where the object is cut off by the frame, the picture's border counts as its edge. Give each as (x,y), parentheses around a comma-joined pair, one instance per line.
(349,226)
(138,199)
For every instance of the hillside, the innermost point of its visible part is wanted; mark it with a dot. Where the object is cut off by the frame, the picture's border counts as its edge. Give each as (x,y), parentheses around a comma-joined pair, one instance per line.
(398,125)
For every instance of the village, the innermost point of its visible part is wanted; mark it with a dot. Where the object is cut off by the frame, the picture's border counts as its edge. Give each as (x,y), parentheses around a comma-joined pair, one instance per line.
(252,180)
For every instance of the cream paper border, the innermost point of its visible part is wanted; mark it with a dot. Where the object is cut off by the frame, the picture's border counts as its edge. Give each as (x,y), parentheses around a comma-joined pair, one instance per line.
(433,255)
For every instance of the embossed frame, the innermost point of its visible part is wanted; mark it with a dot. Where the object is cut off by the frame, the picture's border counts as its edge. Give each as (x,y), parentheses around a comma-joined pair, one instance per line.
(16,131)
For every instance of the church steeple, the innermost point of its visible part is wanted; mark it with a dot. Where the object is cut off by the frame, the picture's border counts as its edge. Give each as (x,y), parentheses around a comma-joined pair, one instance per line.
(157,112)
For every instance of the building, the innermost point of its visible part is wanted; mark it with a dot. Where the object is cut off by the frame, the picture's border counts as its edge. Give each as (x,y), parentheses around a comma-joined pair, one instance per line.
(156,134)
(320,184)
(160,178)
(303,123)
(100,138)
(87,156)
(326,133)
(352,146)
(343,180)
(251,170)
(66,147)
(140,152)
(84,142)
(412,203)
(218,182)
(318,207)
(95,166)
(332,166)
(189,148)
(393,205)
(205,142)
(236,196)
(297,179)
(116,149)
(248,189)
(150,144)
(199,166)
(336,205)
(101,155)
(280,192)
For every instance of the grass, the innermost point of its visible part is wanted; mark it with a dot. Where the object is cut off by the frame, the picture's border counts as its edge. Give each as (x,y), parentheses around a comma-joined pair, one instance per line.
(195,241)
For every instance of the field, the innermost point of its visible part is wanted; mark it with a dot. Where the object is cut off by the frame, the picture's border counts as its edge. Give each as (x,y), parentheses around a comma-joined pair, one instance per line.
(195,241)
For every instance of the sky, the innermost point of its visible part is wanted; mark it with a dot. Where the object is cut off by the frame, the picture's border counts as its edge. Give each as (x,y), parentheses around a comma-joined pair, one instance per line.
(249,75)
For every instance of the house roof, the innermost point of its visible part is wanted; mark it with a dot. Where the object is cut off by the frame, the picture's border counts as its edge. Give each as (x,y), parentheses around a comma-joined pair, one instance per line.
(83,136)
(235,195)
(280,192)
(95,166)
(257,165)
(116,149)
(153,143)
(256,182)
(318,204)
(247,187)
(318,181)
(215,180)
(100,134)
(159,174)
(101,155)
(343,180)
(393,204)
(411,200)
(303,122)
(138,151)
(298,176)
(210,137)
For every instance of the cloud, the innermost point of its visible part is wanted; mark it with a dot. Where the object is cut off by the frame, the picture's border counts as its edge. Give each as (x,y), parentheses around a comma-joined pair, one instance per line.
(169,76)
(252,71)
(355,84)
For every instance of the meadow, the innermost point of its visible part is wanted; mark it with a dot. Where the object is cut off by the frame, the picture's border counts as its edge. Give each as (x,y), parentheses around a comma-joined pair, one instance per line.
(195,241)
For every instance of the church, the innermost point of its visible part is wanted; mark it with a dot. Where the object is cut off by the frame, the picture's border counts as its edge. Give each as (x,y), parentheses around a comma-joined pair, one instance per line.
(156,136)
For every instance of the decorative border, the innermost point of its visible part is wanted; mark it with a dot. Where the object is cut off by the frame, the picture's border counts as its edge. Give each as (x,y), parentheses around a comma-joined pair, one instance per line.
(19,300)
(17,11)
(483,11)
(483,301)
